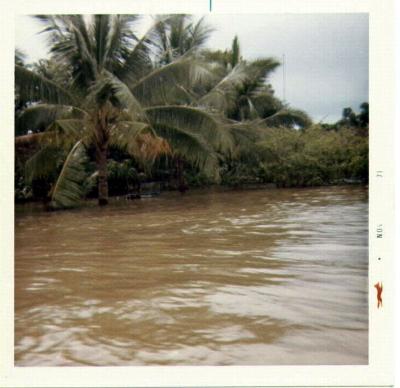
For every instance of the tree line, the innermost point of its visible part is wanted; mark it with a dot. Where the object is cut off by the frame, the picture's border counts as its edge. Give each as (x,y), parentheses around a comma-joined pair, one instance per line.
(110,109)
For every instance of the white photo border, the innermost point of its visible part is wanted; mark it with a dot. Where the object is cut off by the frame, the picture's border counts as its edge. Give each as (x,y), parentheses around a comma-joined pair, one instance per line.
(379,371)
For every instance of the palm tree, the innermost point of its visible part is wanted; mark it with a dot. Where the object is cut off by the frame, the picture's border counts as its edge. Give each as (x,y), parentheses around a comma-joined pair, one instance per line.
(243,92)
(248,102)
(103,89)
(178,35)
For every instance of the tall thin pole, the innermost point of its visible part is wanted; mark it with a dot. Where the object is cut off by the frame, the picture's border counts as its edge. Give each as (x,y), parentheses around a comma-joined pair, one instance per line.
(283,78)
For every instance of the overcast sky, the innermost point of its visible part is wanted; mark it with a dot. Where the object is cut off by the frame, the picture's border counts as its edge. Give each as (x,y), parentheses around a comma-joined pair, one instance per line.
(326,55)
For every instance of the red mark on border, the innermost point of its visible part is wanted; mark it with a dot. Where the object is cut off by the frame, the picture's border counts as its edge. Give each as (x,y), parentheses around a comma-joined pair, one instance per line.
(379,288)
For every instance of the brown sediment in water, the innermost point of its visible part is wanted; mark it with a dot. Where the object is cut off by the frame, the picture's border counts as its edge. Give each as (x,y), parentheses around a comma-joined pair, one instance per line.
(211,278)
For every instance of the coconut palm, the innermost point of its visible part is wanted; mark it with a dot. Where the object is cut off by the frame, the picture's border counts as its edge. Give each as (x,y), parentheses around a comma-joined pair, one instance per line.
(243,92)
(248,102)
(103,89)
(178,35)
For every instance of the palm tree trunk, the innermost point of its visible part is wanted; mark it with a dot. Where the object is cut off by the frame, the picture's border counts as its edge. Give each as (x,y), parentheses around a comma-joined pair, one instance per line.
(101,161)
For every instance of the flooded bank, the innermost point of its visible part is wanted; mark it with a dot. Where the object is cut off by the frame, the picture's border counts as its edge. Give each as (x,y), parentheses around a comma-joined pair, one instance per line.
(208,278)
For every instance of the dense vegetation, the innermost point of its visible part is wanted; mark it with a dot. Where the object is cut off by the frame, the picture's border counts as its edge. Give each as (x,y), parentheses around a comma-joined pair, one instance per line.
(110,110)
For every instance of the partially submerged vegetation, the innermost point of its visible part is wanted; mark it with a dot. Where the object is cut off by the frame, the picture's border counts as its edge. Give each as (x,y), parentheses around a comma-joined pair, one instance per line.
(109,110)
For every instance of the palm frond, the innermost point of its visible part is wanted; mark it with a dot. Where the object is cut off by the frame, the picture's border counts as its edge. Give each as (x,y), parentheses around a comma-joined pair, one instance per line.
(19,57)
(90,182)
(43,163)
(68,189)
(146,147)
(192,120)
(136,62)
(39,117)
(222,95)
(139,140)
(245,135)
(71,42)
(288,117)
(108,89)
(266,104)
(126,99)
(177,35)
(244,109)
(101,27)
(245,79)
(78,22)
(199,33)
(178,27)
(54,25)
(65,132)
(123,135)
(260,69)
(85,66)
(191,147)
(161,39)
(164,85)
(121,36)
(33,87)
(60,73)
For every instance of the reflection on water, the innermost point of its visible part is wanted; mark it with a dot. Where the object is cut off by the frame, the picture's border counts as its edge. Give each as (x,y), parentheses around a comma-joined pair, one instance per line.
(209,278)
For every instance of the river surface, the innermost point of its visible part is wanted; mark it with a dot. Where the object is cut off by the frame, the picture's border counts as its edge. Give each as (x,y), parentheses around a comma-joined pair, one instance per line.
(207,278)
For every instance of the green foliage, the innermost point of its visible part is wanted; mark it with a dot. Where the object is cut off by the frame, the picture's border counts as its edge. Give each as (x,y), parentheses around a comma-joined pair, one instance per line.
(177,35)
(242,91)
(235,52)
(363,117)
(288,118)
(103,98)
(19,57)
(190,120)
(313,157)
(158,106)
(123,176)
(352,119)
(196,178)
(69,187)
(38,117)
(34,87)
(43,164)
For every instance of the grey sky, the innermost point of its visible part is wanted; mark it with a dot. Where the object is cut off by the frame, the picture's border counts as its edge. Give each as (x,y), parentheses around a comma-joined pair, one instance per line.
(326,55)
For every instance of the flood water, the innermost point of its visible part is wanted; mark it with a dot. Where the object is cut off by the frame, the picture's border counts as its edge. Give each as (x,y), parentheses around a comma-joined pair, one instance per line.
(207,278)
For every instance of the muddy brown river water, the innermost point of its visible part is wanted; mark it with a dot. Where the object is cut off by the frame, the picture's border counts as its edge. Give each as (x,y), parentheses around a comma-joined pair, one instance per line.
(208,278)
